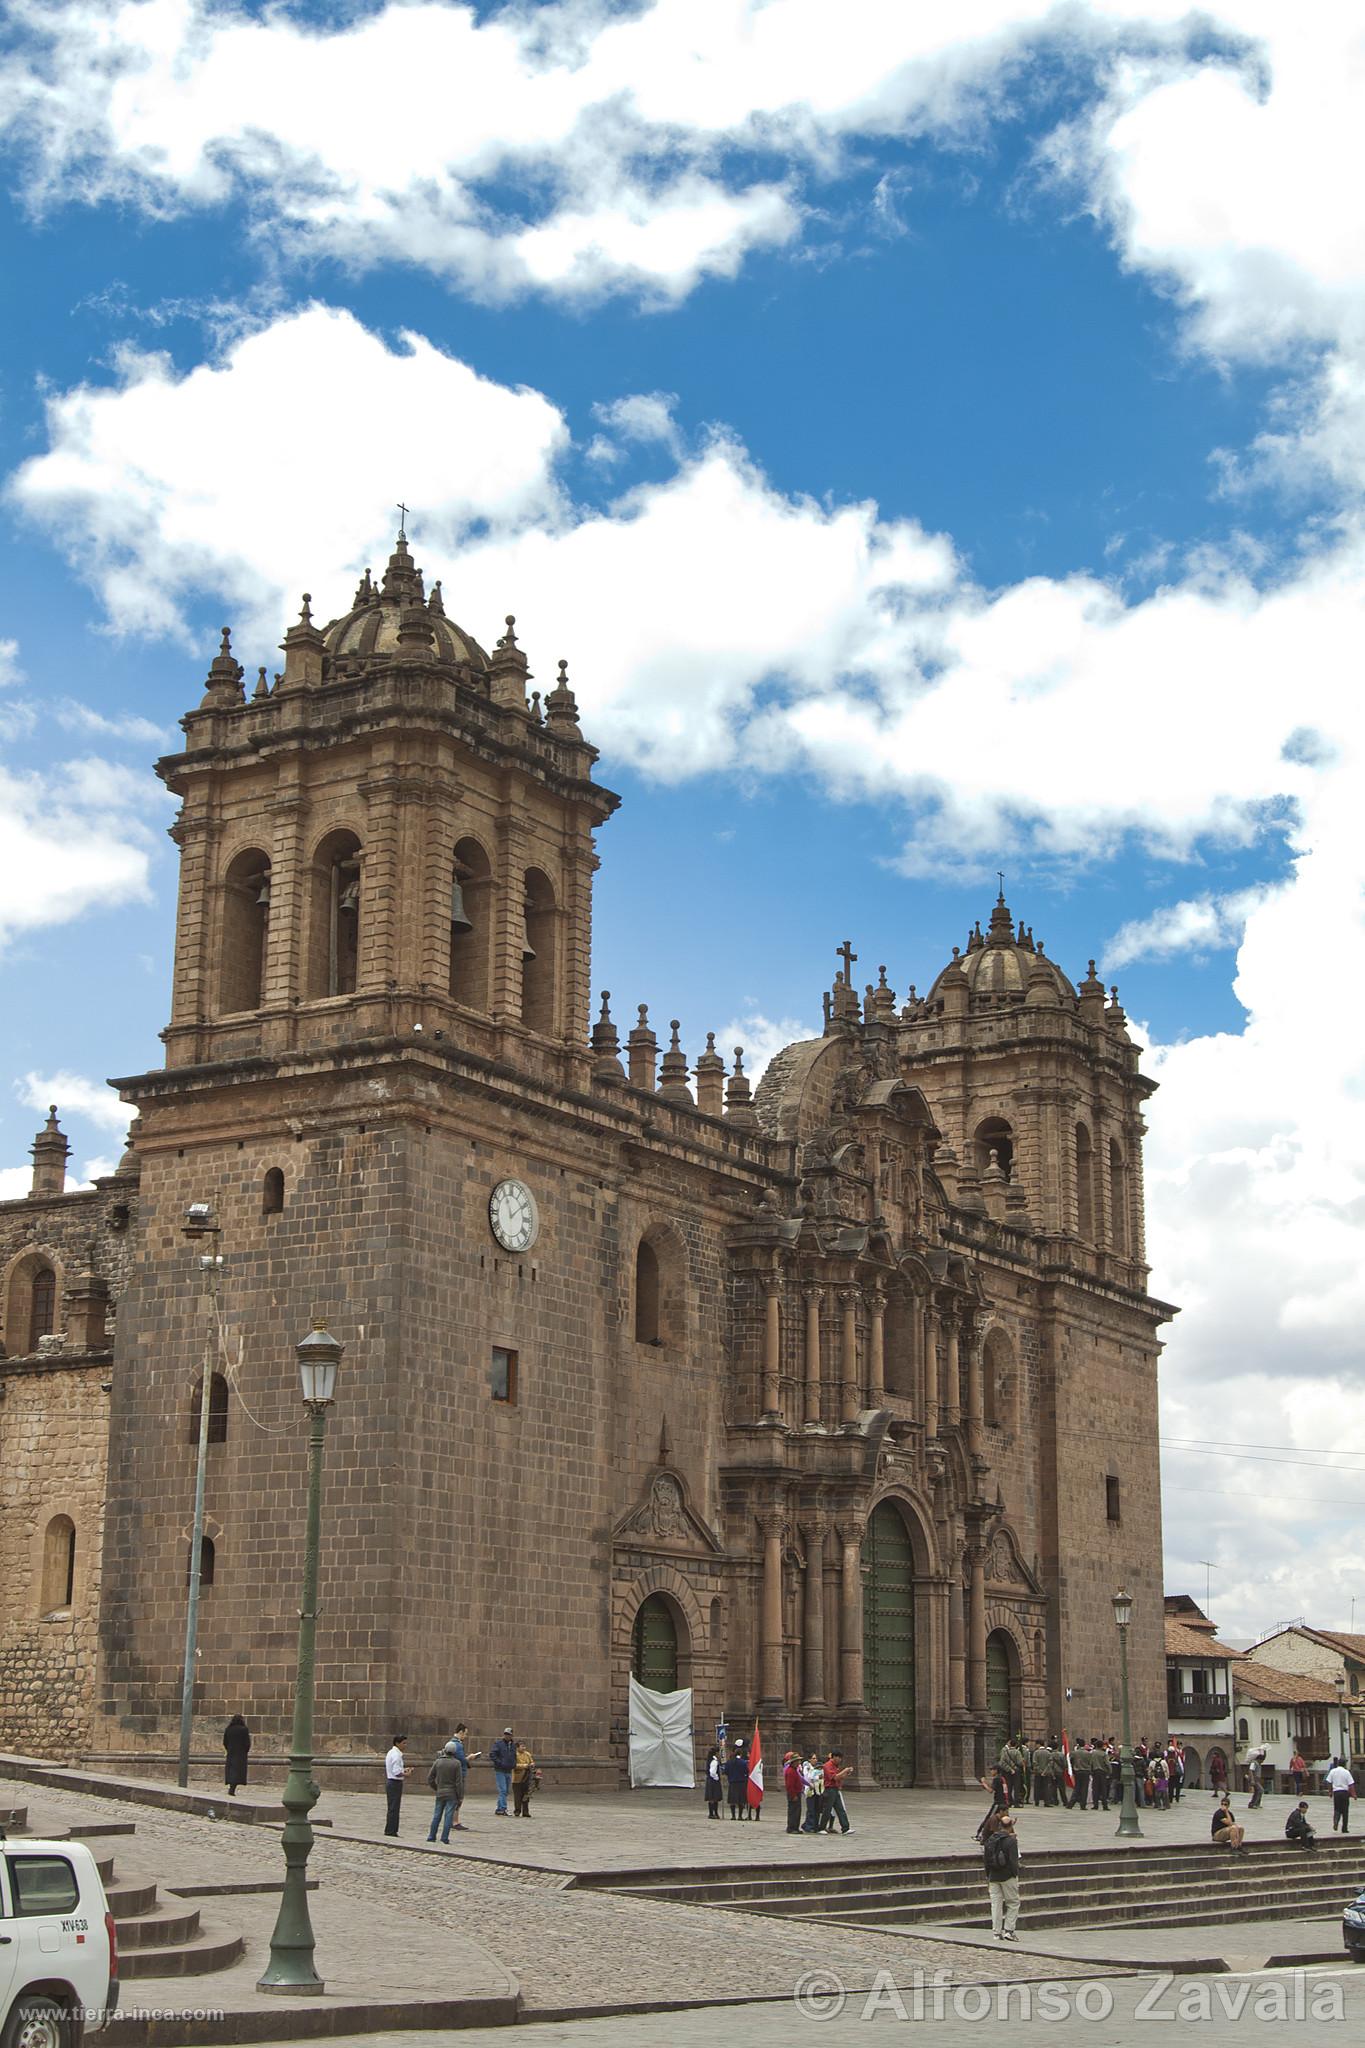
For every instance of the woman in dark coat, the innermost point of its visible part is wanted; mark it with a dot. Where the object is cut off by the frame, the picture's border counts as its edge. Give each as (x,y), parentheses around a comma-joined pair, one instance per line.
(237,1743)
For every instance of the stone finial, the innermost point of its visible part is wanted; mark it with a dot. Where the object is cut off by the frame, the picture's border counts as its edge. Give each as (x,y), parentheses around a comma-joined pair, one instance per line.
(50,1153)
(303,650)
(436,603)
(561,706)
(365,593)
(1091,993)
(1001,932)
(402,578)
(223,686)
(508,674)
(673,1072)
(710,1073)
(606,1046)
(879,1006)
(262,688)
(974,939)
(535,708)
(642,1050)
(665,1441)
(416,634)
(739,1106)
(1116,1017)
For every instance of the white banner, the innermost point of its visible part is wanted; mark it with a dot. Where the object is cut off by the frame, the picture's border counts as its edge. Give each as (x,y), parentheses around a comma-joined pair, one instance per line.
(660,1737)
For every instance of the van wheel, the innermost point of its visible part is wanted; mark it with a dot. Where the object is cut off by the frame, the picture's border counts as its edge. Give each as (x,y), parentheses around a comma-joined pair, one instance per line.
(39,2023)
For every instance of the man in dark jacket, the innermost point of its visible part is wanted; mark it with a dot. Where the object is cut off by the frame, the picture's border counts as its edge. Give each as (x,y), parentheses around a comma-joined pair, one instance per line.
(1298,1828)
(237,1743)
(1002,1875)
(503,1757)
(444,1778)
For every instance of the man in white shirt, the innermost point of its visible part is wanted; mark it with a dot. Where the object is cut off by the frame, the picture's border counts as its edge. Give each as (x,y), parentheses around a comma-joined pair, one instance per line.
(1343,1785)
(395,1770)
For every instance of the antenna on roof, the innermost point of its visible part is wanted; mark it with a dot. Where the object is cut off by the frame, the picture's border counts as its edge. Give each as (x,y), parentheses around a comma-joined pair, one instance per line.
(1209,1570)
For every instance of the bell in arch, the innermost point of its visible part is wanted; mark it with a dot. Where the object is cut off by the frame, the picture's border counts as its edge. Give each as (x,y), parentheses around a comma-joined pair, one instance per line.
(460,920)
(262,897)
(528,951)
(349,897)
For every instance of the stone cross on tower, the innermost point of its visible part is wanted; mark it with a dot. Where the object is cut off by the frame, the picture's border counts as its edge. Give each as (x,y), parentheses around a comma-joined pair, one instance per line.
(848,956)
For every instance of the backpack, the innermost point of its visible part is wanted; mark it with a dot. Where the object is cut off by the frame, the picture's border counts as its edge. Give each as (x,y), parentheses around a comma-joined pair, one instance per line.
(998,1857)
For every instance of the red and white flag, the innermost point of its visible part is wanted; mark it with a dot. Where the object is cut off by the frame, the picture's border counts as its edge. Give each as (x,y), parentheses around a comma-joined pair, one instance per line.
(1066,1762)
(756,1769)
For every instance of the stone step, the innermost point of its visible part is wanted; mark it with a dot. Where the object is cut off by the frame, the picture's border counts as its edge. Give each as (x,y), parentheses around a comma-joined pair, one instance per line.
(164,1927)
(215,1947)
(129,1897)
(1296,1902)
(1140,1884)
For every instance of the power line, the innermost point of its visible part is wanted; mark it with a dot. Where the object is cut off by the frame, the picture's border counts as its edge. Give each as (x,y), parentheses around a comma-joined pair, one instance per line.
(1260,1458)
(1304,1500)
(1236,1444)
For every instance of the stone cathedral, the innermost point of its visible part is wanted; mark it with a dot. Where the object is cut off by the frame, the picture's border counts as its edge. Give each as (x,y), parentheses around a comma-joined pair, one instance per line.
(834,1400)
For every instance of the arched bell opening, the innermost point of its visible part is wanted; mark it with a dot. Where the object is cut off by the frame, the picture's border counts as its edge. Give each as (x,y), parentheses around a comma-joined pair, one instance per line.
(471,926)
(539,970)
(245,929)
(334,936)
(1085,1185)
(995,1136)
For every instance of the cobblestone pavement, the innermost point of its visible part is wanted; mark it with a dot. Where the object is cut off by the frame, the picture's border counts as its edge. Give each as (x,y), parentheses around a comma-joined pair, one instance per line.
(409,1909)
(1310,2009)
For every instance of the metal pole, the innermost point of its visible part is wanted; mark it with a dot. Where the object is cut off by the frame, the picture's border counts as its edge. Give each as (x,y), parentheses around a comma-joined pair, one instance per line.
(182,1776)
(290,1968)
(1128,1819)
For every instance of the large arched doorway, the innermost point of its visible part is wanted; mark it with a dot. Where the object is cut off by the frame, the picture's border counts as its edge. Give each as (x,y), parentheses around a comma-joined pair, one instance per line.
(889,1645)
(654,1646)
(1002,1693)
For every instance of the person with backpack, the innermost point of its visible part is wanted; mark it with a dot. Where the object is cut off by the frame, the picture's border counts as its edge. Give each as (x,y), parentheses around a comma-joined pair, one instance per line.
(1001,1853)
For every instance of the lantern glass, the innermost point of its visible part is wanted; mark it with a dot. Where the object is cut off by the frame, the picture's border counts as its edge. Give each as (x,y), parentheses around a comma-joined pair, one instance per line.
(1123,1609)
(319,1355)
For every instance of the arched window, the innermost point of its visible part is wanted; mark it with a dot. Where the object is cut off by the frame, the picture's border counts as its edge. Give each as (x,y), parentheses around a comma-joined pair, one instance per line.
(471,926)
(208,1558)
(218,1409)
(272,1191)
(42,1313)
(246,921)
(654,1646)
(59,1565)
(1243,1731)
(1118,1199)
(334,928)
(1085,1185)
(538,954)
(995,1135)
(647,1294)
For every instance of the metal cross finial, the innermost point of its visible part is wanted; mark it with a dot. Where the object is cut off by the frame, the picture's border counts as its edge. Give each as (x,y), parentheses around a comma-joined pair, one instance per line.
(402,522)
(848,956)
(1001,873)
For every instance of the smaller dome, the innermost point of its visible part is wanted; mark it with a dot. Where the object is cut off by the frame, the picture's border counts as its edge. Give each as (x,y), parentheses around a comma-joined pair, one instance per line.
(1000,963)
(370,630)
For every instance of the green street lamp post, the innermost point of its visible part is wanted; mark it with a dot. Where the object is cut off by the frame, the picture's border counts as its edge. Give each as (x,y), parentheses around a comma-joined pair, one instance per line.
(1128,1818)
(290,1968)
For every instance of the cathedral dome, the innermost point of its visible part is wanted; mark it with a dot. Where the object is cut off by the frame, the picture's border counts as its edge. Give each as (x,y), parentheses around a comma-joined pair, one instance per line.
(1001,963)
(383,616)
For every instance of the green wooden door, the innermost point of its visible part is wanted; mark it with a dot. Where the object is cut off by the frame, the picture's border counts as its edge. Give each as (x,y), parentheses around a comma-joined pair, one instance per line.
(1000,1708)
(654,1646)
(889,1645)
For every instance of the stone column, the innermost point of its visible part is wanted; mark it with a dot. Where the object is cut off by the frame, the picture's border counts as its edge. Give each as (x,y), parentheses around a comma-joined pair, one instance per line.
(957,1667)
(851,1615)
(931,1388)
(976,1409)
(976,1631)
(812,1298)
(951,1400)
(876,1348)
(813,1634)
(848,1355)
(772,1349)
(773,1527)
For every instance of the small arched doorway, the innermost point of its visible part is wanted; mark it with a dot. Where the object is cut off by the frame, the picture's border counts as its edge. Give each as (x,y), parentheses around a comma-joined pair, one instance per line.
(1002,1693)
(654,1646)
(889,1644)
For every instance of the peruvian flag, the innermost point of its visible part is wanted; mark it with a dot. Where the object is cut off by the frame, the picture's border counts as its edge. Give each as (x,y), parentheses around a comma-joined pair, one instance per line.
(1066,1762)
(756,1769)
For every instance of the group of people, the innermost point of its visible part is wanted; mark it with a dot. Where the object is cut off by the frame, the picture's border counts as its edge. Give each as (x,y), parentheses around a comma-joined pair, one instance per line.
(514,1772)
(819,1782)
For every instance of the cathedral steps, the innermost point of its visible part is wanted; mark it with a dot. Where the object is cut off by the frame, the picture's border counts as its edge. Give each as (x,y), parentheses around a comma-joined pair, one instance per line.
(1191,1883)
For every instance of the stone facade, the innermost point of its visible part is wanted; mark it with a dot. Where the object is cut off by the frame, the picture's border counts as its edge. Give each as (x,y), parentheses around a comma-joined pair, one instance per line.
(841,1401)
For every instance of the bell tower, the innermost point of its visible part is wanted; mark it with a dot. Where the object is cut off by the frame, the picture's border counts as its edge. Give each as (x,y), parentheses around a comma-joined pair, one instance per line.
(389,835)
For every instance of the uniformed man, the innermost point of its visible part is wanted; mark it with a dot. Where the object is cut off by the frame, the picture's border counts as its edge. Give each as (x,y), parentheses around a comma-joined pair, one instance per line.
(1044,1790)
(1012,1764)
(1081,1764)
(1099,1772)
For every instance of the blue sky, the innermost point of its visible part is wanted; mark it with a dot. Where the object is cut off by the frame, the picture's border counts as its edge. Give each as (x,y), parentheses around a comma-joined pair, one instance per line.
(934,454)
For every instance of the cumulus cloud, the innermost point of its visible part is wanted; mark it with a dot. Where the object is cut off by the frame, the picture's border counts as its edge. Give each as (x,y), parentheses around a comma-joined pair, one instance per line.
(10,671)
(125,725)
(74,1095)
(1195,925)
(642,416)
(73,838)
(761,1038)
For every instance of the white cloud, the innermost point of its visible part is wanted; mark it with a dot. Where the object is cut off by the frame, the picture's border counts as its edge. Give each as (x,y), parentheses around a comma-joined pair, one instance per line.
(10,671)
(643,416)
(1197,924)
(125,725)
(761,1038)
(72,838)
(15,1182)
(74,1095)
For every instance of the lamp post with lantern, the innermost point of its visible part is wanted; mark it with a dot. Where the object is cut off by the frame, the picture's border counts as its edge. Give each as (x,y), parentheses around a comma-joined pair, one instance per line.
(1128,1818)
(291,1968)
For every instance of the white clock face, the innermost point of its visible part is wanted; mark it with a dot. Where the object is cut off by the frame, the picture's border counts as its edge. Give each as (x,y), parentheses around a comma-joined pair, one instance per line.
(513,1215)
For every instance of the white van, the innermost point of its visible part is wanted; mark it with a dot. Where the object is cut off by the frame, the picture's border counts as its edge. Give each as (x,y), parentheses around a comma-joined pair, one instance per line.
(58,1949)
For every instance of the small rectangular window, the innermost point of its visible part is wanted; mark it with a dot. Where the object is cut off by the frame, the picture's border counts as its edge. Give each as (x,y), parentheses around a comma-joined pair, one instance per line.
(43,1884)
(503,1380)
(1111,1498)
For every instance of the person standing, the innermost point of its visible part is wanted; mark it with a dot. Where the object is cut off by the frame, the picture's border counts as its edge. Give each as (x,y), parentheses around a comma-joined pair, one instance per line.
(814,1780)
(714,1785)
(1012,1764)
(525,1778)
(458,1738)
(737,1784)
(1081,1765)
(1042,1773)
(835,1771)
(1255,1762)
(1001,1853)
(395,1771)
(237,1743)
(503,1757)
(444,1780)
(1099,1772)
(1218,1774)
(1175,1768)
(1343,1788)
(794,1786)
(1298,1771)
